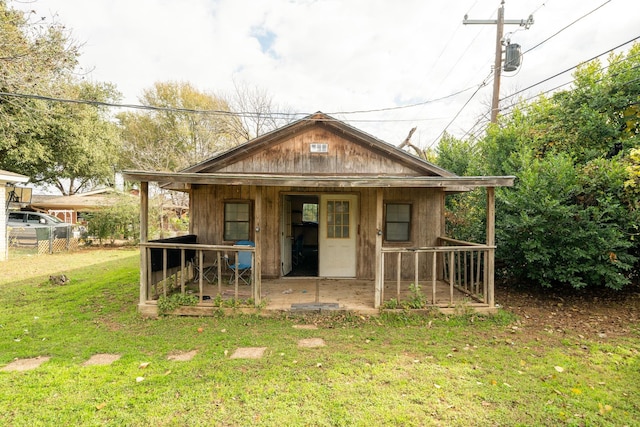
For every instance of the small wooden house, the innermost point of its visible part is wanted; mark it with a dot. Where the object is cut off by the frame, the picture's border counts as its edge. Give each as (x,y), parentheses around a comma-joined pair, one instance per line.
(366,217)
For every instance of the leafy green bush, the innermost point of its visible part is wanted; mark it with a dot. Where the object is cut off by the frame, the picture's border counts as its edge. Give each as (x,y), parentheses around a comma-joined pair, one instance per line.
(573,216)
(559,227)
(118,221)
(167,304)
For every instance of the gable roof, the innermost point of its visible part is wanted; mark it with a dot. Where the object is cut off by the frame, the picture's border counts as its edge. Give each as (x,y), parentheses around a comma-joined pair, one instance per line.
(319,119)
(219,170)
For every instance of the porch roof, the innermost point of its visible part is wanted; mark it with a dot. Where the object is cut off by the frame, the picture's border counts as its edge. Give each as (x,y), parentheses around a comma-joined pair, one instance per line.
(182,180)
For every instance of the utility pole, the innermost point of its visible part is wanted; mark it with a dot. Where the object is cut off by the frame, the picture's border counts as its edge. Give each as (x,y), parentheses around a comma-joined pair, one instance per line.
(497,67)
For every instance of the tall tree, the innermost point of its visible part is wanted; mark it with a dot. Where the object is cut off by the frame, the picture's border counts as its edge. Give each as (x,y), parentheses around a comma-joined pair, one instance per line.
(33,55)
(186,127)
(257,111)
(66,144)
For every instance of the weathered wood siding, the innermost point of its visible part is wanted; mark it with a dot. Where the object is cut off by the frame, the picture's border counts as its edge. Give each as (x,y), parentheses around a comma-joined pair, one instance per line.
(344,157)
(207,222)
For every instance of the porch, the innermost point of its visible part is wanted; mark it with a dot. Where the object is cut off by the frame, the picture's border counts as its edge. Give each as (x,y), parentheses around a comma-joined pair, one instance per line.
(445,277)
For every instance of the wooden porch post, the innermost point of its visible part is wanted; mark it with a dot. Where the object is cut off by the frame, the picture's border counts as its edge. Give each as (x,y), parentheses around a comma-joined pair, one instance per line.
(257,266)
(379,279)
(144,222)
(491,241)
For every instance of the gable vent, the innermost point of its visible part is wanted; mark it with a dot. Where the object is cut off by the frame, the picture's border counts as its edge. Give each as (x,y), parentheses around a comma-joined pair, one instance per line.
(317,147)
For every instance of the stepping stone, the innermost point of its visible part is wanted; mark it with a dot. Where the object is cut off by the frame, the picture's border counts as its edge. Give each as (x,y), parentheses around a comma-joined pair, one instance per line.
(311,342)
(248,353)
(305,326)
(183,357)
(25,364)
(101,359)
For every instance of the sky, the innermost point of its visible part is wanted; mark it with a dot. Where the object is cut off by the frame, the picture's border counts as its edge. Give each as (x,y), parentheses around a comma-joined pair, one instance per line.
(343,56)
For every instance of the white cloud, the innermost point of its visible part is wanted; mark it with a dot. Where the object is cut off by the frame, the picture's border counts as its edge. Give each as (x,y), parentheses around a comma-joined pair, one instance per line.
(338,55)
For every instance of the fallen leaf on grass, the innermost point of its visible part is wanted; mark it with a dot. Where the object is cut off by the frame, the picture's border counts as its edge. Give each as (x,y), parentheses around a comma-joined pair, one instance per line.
(604,408)
(144,365)
(559,368)
(100,406)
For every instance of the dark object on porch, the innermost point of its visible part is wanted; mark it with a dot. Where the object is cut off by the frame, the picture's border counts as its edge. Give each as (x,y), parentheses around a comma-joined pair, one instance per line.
(174,257)
(307,265)
(297,254)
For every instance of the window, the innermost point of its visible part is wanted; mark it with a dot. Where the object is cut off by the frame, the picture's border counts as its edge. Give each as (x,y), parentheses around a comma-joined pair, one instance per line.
(397,222)
(317,147)
(309,212)
(338,219)
(237,220)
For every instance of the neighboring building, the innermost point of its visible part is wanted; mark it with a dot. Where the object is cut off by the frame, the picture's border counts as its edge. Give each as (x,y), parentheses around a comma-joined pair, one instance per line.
(6,179)
(71,209)
(380,215)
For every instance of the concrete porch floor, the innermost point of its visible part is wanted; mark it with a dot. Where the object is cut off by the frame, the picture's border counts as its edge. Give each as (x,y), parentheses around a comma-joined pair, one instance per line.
(349,294)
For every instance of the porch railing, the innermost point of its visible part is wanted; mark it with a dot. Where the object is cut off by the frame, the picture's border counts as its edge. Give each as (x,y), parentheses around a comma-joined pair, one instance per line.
(460,264)
(167,266)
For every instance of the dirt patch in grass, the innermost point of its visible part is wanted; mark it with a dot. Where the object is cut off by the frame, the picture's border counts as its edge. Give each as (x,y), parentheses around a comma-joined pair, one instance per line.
(592,313)
(182,356)
(101,359)
(311,342)
(248,353)
(25,364)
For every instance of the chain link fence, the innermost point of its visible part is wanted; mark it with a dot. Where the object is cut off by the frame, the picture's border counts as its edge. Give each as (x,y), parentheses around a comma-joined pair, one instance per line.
(44,240)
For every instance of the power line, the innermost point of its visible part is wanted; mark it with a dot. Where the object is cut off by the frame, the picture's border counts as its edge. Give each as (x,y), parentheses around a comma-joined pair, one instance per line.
(483,84)
(568,83)
(569,69)
(245,114)
(525,100)
(431,101)
(564,28)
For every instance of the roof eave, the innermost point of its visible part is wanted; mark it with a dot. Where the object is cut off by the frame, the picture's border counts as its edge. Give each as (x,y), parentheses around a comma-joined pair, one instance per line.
(449,183)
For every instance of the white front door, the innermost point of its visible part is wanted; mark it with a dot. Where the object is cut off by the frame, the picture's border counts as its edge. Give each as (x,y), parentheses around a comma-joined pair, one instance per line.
(285,236)
(337,231)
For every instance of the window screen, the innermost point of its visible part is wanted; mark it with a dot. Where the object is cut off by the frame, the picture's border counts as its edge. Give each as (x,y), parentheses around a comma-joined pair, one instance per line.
(237,220)
(397,222)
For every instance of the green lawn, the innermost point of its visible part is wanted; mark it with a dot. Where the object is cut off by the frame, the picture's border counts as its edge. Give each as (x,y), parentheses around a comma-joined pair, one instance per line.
(388,370)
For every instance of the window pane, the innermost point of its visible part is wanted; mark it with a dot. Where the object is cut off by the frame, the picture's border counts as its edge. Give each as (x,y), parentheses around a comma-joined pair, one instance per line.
(398,231)
(397,222)
(310,212)
(338,219)
(237,217)
(398,212)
